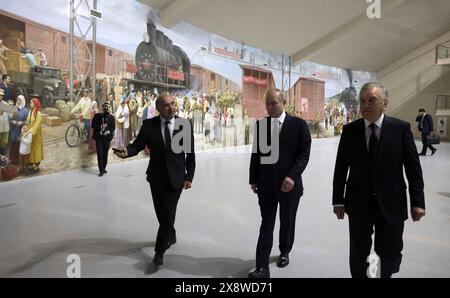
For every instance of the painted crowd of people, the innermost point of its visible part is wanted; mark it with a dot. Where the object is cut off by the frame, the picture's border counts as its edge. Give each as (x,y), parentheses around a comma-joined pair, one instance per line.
(21,134)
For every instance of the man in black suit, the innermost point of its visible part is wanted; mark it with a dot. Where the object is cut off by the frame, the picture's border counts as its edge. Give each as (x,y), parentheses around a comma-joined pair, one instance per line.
(104,126)
(278,181)
(376,149)
(171,167)
(425,126)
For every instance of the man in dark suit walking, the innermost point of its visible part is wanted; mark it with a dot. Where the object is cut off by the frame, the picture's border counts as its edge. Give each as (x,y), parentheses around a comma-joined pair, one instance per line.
(171,167)
(376,149)
(103,125)
(425,126)
(278,181)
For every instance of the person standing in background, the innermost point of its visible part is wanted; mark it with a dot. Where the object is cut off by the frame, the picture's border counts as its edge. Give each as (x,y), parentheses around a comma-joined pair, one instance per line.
(6,80)
(425,126)
(91,145)
(42,58)
(4,127)
(103,126)
(34,124)
(133,106)
(123,117)
(3,58)
(17,122)
(84,106)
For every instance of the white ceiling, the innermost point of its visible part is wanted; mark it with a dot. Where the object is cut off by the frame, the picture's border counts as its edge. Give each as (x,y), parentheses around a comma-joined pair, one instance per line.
(333,32)
(157,4)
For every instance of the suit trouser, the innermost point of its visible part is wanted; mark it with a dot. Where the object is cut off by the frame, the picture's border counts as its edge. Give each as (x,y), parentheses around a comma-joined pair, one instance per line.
(288,210)
(165,201)
(388,242)
(425,144)
(102,146)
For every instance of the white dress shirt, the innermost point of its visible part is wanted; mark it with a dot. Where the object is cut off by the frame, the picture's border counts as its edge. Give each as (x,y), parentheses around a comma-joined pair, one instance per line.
(378,125)
(368,132)
(279,121)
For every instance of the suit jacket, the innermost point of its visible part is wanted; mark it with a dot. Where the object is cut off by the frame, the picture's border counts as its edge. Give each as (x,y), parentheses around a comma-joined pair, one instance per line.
(295,145)
(396,150)
(425,126)
(163,164)
(97,122)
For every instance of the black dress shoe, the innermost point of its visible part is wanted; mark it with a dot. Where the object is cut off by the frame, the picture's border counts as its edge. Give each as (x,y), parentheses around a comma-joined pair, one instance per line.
(422,154)
(105,172)
(158,259)
(171,242)
(260,273)
(283,260)
(100,174)
(433,152)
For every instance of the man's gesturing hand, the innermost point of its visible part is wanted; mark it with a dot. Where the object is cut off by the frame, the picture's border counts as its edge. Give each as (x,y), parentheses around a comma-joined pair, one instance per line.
(122,152)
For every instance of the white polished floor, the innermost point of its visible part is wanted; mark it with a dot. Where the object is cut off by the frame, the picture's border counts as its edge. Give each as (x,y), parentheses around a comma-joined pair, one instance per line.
(110,222)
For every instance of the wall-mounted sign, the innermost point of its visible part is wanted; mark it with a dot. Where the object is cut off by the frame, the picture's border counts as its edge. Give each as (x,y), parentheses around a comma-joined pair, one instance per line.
(96,14)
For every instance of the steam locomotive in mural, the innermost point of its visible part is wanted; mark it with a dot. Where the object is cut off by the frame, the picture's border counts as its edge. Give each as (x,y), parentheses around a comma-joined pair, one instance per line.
(348,98)
(159,63)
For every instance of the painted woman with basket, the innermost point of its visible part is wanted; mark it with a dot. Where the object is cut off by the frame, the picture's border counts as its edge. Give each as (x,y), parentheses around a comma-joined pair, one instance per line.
(34,123)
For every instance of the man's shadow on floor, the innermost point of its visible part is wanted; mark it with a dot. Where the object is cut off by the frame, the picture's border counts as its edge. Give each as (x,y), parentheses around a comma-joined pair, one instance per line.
(220,267)
(98,247)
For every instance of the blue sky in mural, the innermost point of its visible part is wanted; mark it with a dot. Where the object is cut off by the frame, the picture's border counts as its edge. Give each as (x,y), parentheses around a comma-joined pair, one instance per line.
(124,23)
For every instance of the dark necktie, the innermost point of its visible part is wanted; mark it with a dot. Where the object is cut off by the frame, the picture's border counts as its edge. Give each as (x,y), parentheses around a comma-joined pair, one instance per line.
(167,137)
(373,142)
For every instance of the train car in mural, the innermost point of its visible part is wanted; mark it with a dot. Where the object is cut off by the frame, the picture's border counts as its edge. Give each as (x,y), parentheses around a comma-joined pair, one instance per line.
(159,63)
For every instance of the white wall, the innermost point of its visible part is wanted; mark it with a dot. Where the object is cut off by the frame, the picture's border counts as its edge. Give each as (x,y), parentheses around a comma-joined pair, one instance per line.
(424,99)
(410,75)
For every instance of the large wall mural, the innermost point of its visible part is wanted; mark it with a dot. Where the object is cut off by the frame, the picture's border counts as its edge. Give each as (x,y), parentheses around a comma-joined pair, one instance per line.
(219,84)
